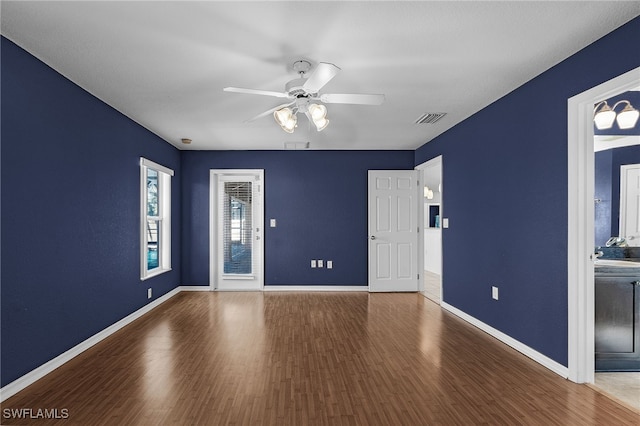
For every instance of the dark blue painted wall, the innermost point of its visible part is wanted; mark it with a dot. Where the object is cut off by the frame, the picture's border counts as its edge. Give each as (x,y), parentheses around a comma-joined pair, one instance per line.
(505,193)
(70,212)
(319,199)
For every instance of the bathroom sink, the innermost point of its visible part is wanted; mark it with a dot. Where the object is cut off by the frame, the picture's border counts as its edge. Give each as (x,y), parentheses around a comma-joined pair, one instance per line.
(618,263)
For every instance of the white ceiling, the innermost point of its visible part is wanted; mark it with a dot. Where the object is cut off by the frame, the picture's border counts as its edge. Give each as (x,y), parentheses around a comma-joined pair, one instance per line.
(164,64)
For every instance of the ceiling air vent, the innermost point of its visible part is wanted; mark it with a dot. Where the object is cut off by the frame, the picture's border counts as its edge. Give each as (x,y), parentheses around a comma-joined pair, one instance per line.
(296,145)
(430,117)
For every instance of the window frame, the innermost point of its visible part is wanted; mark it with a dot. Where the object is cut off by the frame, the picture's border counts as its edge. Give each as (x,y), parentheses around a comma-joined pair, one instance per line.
(163,219)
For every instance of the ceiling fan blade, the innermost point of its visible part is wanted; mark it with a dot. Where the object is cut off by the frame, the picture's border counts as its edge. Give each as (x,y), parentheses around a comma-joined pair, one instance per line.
(256,92)
(323,73)
(346,98)
(271,111)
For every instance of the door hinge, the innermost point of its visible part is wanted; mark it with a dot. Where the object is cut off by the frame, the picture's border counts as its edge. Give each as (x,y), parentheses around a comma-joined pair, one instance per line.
(418,276)
(418,229)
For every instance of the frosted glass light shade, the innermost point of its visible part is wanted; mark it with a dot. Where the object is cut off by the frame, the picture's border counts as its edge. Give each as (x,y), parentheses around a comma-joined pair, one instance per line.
(317,111)
(628,117)
(321,124)
(286,119)
(604,119)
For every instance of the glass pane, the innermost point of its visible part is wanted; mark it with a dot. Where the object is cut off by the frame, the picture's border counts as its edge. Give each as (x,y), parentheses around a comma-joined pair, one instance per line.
(152,193)
(237,228)
(153,234)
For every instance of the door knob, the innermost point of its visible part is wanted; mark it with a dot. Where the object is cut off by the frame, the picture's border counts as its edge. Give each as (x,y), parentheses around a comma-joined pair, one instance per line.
(373,237)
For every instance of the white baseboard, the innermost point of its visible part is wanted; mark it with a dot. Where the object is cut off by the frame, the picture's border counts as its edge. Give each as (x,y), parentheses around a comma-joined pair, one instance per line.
(316,288)
(515,344)
(194,288)
(31,377)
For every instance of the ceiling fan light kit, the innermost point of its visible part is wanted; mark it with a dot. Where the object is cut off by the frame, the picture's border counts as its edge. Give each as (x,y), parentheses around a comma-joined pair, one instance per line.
(286,119)
(305,98)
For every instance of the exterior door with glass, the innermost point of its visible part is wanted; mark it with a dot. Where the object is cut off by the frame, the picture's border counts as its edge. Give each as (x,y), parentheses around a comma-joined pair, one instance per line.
(236,230)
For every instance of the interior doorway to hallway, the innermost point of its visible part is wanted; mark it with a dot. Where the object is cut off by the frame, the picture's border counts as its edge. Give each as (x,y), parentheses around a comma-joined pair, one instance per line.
(431,241)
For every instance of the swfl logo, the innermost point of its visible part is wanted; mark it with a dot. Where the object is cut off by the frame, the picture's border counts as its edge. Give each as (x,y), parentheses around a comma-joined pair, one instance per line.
(35,413)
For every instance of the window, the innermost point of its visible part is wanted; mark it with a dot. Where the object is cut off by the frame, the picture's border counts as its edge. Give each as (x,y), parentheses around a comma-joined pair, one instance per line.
(155,219)
(237,226)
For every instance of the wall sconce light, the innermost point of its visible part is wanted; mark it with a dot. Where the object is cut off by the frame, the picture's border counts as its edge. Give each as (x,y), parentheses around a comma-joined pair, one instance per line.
(604,118)
(428,193)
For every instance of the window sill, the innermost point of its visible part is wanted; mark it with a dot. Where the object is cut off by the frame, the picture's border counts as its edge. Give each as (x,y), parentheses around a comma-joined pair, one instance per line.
(154,273)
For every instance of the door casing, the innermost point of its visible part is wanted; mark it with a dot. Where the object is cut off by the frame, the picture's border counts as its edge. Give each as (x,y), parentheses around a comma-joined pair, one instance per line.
(580,232)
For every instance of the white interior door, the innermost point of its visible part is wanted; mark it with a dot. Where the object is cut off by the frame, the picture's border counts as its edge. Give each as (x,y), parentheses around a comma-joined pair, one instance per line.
(393,230)
(236,244)
(630,204)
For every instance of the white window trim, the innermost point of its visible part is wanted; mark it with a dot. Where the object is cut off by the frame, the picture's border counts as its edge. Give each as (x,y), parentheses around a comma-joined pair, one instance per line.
(164,245)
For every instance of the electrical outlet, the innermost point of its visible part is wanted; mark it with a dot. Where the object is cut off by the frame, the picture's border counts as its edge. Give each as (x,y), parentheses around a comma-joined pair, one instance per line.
(494,292)
(329,264)
(320,263)
(149,293)
(313,263)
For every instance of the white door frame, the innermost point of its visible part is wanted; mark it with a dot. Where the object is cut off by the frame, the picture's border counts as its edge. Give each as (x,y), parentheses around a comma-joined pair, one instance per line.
(213,223)
(580,238)
(434,162)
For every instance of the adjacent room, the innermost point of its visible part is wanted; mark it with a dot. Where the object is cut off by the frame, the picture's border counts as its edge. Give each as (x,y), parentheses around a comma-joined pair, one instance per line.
(294,212)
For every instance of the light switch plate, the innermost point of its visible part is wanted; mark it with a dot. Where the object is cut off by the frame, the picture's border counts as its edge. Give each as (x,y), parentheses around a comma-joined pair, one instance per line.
(272,223)
(329,264)
(445,222)
(313,263)
(320,263)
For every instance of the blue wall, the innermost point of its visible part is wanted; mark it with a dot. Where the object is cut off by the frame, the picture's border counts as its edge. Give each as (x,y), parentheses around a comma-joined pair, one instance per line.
(505,193)
(70,211)
(319,199)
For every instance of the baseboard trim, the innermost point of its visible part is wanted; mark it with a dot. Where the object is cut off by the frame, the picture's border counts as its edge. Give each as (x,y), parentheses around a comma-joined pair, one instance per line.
(34,375)
(195,288)
(515,344)
(316,288)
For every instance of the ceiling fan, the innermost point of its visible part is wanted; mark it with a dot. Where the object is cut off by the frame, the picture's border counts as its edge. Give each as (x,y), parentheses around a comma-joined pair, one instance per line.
(303,96)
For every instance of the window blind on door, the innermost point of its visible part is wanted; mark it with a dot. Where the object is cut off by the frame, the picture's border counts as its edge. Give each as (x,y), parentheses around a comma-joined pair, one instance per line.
(237,227)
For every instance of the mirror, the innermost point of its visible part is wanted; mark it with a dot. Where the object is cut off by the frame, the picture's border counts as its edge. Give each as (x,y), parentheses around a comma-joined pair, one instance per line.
(625,150)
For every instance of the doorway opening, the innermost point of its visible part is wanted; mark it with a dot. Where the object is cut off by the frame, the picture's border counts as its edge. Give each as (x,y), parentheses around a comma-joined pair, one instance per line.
(581,223)
(431,241)
(236,224)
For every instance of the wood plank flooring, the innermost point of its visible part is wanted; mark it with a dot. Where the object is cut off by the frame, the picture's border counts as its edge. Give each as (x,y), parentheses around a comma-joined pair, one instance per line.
(309,359)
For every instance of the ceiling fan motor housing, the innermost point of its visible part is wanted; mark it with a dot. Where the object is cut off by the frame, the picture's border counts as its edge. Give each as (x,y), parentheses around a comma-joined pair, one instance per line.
(295,89)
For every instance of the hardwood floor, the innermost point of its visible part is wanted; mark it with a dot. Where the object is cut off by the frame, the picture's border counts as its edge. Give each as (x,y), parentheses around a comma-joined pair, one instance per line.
(309,359)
